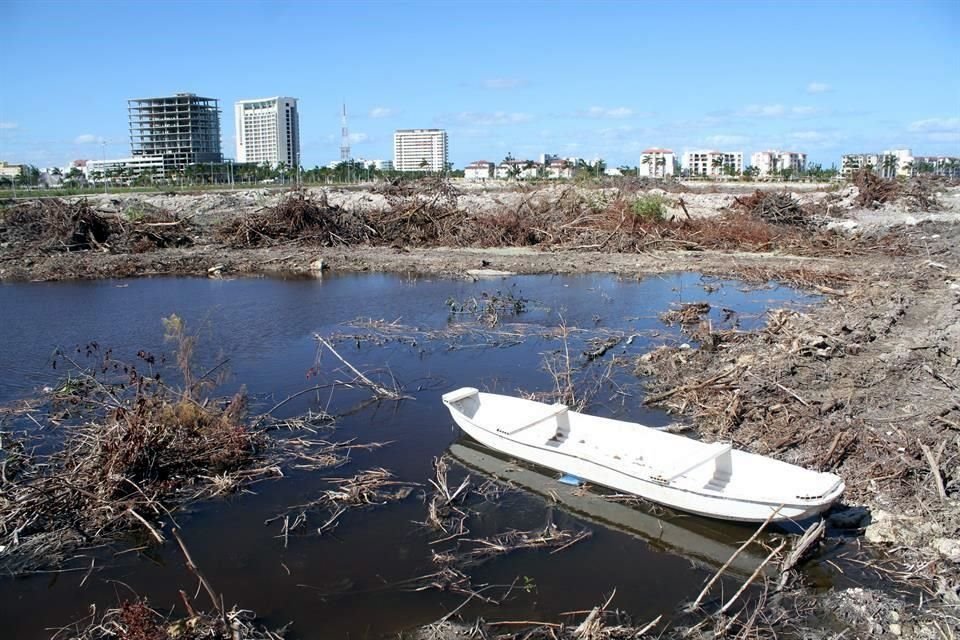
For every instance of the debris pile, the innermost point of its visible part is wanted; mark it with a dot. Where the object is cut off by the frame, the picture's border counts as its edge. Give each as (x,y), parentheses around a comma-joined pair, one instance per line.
(55,225)
(298,217)
(873,190)
(774,207)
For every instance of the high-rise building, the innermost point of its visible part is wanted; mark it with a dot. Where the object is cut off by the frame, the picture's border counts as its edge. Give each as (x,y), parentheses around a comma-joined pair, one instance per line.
(420,150)
(268,131)
(182,129)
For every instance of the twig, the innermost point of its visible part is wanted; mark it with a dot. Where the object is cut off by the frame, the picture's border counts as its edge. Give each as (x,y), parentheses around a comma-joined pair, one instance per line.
(934,470)
(195,570)
(378,389)
(156,534)
(716,576)
(753,577)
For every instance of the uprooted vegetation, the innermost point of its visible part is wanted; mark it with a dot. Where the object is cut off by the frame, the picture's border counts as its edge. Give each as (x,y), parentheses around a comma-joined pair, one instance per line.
(123,449)
(434,213)
(919,192)
(774,207)
(135,619)
(870,396)
(54,225)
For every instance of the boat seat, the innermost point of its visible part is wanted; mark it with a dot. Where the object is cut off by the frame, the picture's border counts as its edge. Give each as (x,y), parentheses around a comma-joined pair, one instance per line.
(556,410)
(719,452)
(460,394)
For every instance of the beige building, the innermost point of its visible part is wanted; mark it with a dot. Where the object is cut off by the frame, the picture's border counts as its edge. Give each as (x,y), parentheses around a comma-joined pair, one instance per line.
(420,150)
(10,170)
(559,169)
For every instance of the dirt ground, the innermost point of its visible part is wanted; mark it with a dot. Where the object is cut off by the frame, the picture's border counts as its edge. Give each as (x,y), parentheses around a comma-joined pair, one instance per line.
(866,384)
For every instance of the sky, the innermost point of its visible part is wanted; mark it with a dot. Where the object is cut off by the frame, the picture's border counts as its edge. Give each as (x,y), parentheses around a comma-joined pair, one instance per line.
(583,79)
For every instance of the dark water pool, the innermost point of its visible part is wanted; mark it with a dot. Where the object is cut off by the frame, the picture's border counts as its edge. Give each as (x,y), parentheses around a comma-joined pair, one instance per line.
(344,585)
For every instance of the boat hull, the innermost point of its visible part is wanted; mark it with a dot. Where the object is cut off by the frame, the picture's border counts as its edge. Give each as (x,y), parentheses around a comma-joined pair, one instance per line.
(677,497)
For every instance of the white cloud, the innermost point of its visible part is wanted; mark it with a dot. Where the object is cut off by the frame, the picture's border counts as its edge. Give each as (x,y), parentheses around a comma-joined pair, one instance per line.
(8,125)
(723,139)
(812,136)
(382,112)
(504,83)
(358,138)
(606,112)
(935,125)
(937,129)
(763,110)
(488,119)
(87,138)
(818,87)
(776,111)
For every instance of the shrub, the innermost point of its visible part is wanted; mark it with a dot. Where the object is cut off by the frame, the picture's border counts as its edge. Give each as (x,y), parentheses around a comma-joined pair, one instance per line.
(650,207)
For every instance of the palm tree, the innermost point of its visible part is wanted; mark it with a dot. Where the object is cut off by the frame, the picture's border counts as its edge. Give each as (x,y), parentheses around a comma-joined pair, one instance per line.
(717,164)
(889,166)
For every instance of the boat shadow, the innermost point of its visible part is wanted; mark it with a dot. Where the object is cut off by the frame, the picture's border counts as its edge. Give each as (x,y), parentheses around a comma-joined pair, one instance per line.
(702,541)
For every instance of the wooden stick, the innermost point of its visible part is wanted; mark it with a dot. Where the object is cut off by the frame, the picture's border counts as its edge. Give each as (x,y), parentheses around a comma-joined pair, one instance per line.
(195,570)
(810,537)
(156,534)
(934,470)
(696,603)
(378,389)
(753,577)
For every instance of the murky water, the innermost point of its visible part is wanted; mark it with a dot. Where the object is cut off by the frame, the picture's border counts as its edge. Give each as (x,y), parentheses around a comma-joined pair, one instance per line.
(346,584)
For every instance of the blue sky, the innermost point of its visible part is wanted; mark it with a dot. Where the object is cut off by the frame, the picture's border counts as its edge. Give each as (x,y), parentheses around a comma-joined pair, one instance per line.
(573,78)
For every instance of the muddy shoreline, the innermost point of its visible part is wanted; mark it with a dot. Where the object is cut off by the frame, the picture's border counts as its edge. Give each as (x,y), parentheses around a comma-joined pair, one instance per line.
(866,385)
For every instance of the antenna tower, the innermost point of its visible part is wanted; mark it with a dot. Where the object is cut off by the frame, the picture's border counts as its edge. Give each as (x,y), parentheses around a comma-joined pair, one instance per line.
(344,137)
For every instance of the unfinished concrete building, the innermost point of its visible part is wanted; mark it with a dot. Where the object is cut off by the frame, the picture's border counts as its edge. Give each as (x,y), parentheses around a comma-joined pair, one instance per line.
(183,129)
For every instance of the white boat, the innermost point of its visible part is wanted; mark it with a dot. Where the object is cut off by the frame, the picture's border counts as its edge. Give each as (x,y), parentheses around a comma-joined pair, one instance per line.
(713,480)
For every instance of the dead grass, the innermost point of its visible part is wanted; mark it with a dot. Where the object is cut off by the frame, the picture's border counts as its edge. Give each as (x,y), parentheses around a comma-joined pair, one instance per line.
(119,450)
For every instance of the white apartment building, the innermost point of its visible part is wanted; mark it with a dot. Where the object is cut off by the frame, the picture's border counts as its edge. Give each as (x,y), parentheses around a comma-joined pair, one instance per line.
(948,166)
(899,162)
(559,169)
(657,163)
(519,169)
(712,163)
(97,170)
(268,131)
(420,150)
(852,162)
(773,162)
(479,170)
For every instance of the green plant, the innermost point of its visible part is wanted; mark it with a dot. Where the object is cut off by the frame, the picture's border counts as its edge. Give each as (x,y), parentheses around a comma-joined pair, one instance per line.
(650,207)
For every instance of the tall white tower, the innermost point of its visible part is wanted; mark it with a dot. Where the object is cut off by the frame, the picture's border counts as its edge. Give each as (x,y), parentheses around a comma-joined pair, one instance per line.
(268,131)
(344,137)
